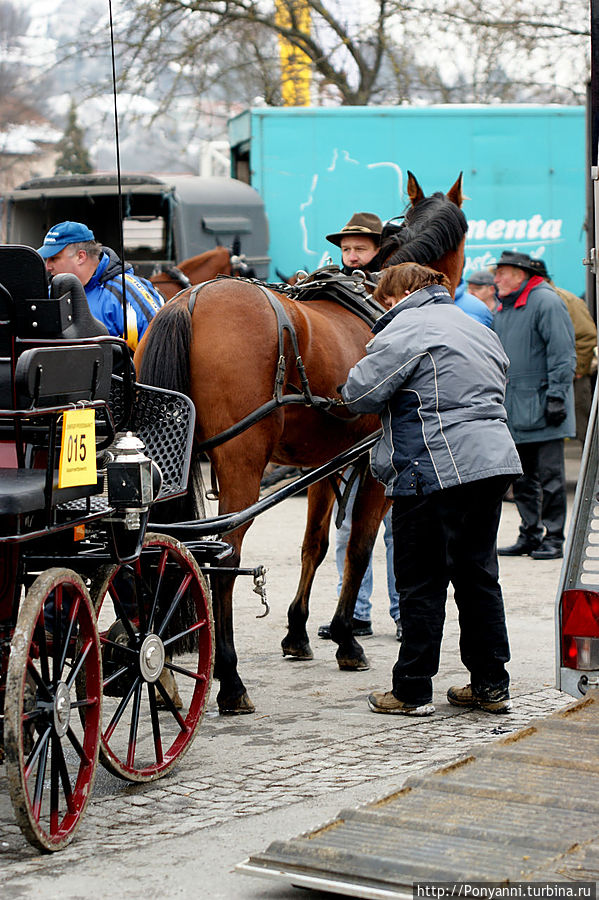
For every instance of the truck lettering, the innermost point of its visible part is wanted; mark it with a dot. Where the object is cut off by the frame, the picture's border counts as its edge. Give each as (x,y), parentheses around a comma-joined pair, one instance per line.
(533,229)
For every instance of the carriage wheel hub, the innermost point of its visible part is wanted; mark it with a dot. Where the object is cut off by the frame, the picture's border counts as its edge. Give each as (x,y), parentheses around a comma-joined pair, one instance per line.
(151,658)
(62,709)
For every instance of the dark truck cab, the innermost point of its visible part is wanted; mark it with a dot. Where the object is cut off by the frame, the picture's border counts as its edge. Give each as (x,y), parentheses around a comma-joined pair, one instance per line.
(165,219)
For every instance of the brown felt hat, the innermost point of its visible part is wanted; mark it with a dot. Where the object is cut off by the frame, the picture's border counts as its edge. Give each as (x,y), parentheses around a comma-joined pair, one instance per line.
(363,223)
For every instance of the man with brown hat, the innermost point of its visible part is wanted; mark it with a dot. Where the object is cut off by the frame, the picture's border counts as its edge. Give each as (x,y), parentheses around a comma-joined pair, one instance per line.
(536,331)
(359,241)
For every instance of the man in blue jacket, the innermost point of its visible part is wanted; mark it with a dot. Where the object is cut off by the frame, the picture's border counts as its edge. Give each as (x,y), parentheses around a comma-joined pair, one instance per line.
(536,331)
(71,247)
(446,457)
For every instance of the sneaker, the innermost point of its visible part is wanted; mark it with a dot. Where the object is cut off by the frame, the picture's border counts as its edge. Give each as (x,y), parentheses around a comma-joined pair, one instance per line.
(387,702)
(359,627)
(497,701)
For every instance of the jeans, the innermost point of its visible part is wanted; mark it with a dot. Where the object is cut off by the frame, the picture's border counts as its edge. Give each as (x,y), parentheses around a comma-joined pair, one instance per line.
(363,607)
(450,536)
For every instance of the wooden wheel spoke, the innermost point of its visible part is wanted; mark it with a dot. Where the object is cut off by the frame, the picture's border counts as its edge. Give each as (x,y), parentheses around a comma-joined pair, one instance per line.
(161,571)
(171,706)
(175,602)
(64,776)
(134,725)
(76,743)
(155,723)
(198,676)
(78,662)
(38,792)
(57,636)
(69,633)
(54,781)
(198,625)
(41,745)
(39,682)
(118,713)
(43,647)
(121,613)
(115,675)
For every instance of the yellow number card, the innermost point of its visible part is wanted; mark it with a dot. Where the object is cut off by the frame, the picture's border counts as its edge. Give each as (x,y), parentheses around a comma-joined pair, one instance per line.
(78,448)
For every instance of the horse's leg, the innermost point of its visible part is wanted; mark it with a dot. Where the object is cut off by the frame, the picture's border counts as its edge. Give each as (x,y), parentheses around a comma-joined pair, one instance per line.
(369,509)
(238,471)
(314,548)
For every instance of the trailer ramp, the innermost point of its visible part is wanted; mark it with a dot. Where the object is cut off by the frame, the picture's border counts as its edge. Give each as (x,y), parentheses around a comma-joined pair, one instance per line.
(525,808)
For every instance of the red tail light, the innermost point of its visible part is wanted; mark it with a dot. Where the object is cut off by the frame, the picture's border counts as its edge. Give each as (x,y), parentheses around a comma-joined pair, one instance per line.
(580,629)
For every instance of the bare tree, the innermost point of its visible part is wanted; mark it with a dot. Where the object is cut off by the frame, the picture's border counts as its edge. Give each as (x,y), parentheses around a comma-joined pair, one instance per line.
(384,51)
(14,22)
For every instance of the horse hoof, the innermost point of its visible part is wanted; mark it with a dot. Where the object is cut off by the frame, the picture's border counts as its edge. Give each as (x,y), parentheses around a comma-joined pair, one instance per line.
(297,651)
(236,706)
(352,663)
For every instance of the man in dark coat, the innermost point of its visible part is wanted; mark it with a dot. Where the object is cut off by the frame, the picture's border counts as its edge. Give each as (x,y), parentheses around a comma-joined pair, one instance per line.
(536,331)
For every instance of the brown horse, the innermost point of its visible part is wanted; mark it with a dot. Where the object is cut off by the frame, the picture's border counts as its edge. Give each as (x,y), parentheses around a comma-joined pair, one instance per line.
(229,346)
(218,261)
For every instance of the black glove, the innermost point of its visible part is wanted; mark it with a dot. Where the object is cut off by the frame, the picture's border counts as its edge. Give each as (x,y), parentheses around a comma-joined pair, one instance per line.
(555,411)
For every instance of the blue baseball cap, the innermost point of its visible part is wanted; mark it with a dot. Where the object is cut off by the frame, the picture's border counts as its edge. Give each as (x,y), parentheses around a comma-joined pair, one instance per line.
(60,236)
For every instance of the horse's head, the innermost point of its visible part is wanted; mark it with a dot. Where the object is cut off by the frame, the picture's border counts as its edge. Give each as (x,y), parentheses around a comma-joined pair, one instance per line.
(433,232)
(416,194)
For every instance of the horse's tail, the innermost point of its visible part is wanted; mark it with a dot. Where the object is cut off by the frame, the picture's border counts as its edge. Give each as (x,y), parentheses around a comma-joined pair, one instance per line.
(165,360)
(165,364)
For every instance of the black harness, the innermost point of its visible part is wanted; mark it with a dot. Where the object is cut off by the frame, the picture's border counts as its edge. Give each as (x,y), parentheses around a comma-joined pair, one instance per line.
(304,395)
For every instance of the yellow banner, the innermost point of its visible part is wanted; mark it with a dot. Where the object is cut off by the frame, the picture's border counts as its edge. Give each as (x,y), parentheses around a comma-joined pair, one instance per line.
(296,72)
(77,463)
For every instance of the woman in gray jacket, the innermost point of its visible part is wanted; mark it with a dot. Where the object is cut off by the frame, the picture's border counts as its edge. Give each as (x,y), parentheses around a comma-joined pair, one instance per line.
(437,380)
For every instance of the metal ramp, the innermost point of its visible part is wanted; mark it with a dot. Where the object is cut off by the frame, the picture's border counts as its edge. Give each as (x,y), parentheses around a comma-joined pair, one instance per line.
(581,553)
(525,808)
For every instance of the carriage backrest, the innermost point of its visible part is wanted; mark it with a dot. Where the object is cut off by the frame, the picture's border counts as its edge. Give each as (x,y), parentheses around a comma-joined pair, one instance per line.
(26,311)
(52,376)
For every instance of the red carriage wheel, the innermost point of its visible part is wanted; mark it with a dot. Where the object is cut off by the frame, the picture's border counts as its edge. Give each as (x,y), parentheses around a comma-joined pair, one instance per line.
(156,632)
(54,669)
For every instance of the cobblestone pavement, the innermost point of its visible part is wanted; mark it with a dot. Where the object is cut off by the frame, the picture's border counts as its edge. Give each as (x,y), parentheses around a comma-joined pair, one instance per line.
(312,735)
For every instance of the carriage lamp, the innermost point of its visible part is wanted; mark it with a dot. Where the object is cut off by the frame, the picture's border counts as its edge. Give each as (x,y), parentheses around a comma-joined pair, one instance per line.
(134,480)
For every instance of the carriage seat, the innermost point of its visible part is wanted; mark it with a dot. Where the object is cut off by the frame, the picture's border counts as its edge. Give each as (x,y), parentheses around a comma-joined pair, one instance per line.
(22,491)
(27,311)
(53,377)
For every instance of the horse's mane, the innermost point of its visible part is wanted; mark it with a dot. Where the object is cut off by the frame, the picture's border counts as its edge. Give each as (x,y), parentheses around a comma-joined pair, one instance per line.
(431,228)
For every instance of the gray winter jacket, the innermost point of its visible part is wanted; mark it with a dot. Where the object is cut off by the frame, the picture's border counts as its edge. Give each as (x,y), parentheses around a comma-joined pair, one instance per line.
(536,331)
(437,379)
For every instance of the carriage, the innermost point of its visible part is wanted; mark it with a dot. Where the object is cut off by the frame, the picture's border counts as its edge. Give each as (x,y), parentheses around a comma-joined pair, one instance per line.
(96,613)
(107,641)
(106,627)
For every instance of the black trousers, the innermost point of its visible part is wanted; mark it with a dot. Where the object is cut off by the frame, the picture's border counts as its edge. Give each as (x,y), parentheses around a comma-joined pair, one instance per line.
(449,536)
(540,492)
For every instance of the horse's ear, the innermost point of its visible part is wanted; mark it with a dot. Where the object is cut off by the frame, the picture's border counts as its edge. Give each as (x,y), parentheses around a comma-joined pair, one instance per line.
(415,192)
(455,192)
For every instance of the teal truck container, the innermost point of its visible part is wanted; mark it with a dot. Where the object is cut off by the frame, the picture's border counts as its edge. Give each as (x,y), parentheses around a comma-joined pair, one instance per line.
(524,176)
